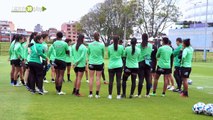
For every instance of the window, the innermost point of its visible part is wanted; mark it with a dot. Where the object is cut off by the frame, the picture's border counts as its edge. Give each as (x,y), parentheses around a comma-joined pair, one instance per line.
(68,29)
(68,26)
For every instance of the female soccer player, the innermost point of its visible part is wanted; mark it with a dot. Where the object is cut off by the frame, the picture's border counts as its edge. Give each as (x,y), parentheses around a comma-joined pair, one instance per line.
(186,65)
(79,52)
(132,54)
(51,56)
(61,52)
(45,38)
(96,60)
(164,65)
(18,59)
(170,85)
(115,53)
(12,58)
(144,65)
(69,59)
(35,65)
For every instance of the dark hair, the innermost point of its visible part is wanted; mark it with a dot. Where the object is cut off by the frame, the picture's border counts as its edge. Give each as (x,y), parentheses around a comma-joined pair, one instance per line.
(133,43)
(32,36)
(59,35)
(68,40)
(179,40)
(44,36)
(120,42)
(79,41)
(19,37)
(115,42)
(13,38)
(37,38)
(170,42)
(186,42)
(165,41)
(144,40)
(96,36)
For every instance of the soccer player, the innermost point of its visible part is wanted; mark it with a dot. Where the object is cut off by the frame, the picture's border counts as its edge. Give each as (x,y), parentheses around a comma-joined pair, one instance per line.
(177,63)
(153,63)
(96,60)
(144,65)
(18,59)
(12,58)
(170,85)
(69,59)
(186,65)
(115,53)
(44,62)
(61,52)
(164,65)
(35,65)
(132,54)
(79,52)
(51,56)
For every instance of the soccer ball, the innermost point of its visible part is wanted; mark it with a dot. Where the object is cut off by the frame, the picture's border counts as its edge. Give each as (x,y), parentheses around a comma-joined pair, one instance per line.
(208,109)
(198,107)
(189,81)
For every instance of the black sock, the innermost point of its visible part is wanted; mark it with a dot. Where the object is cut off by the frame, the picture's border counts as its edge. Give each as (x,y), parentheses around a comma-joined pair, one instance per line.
(97,92)
(15,82)
(44,78)
(74,89)
(12,80)
(68,77)
(53,80)
(77,92)
(90,92)
(154,92)
(22,81)
(163,93)
(59,88)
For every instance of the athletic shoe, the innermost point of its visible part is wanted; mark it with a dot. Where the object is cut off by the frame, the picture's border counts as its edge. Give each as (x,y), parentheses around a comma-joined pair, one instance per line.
(131,96)
(17,85)
(123,96)
(69,81)
(135,96)
(168,87)
(163,95)
(97,96)
(182,94)
(61,93)
(79,95)
(118,97)
(110,97)
(46,81)
(40,92)
(105,82)
(153,94)
(171,88)
(28,88)
(90,96)
(44,91)
(52,80)
(147,96)
(87,81)
(176,90)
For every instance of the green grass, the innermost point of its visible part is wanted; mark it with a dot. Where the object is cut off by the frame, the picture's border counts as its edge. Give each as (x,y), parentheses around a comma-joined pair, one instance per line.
(19,104)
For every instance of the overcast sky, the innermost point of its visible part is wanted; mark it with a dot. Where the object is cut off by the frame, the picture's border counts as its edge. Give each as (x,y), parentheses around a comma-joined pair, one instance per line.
(58,12)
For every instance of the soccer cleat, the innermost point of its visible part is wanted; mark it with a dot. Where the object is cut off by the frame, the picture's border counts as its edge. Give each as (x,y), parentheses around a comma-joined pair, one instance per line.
(118,97)
(79,95)
(40,92)
(177,90)
(123,96)
(97,96)
(46,81)
(87,81)
(153,94)
(147,96)
(131,96)
(168,87)
(171,88)
(110,97)
(45,92)
(69,81)
(61,93)
(17,85)
(135,96)
(182,94)
(90,96)
(163,95)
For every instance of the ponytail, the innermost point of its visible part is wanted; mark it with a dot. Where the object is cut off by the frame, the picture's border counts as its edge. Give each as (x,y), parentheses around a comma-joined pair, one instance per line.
(79,41)
(133,44)
(144,40)
(115,41)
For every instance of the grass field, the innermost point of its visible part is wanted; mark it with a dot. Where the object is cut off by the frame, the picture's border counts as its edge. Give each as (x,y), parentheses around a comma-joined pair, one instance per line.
(18,104)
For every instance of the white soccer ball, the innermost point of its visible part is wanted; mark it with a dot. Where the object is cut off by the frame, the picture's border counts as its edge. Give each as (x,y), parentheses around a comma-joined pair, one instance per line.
(189,81)
(208,109)
(198,107)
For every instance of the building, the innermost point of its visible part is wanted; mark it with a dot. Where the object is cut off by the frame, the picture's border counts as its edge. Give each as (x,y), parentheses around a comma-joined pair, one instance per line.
(194,15)
(70,30)
(38,28)
(7,26)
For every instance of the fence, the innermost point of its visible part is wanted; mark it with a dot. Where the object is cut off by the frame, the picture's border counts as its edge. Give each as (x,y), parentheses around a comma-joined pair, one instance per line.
(198,55)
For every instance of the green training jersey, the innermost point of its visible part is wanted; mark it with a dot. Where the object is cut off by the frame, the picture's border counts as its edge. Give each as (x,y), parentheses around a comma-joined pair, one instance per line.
(164,56)
(145,53)
(69,57)
(11,51)
(45,47)
(79,56)
(37,52)
(187,56)
(18,51)
(115,57)
(51,53)
(24,50)
(132,60)
(96,53)
(60,50)
(176,53)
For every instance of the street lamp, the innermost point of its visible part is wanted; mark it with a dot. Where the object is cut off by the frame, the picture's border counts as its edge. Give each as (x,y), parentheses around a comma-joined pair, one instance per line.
(206,26)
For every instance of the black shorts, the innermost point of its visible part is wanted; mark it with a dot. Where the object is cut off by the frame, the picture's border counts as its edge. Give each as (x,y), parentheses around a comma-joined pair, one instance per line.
(68,64)
(115,70)
(130,70)
(12,62)
(79,69)
(153,67)
(163,71)
(96,67)
(18,63)
(60,65)
(170,71)
(185,72)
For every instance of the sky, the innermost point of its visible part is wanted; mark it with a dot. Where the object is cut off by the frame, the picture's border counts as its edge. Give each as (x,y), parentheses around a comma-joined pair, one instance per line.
(58,12)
